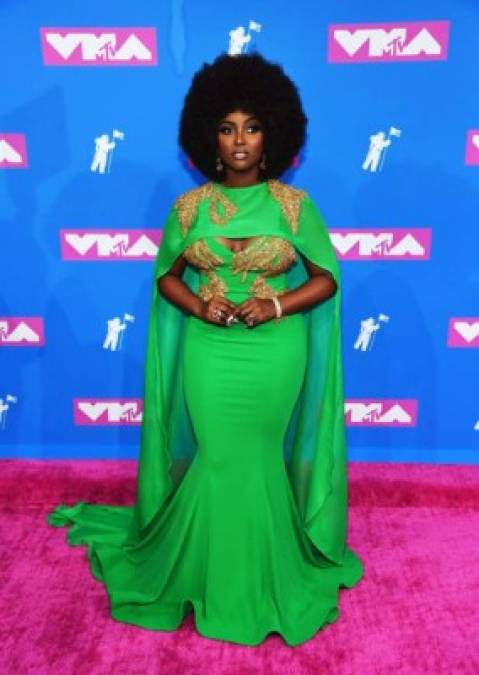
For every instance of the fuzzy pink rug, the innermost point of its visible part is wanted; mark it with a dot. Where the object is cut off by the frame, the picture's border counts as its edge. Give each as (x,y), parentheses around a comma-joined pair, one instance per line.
(416,526)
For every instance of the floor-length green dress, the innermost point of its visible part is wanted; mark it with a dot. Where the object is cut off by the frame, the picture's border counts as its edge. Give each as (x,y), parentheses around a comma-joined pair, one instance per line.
(241,509)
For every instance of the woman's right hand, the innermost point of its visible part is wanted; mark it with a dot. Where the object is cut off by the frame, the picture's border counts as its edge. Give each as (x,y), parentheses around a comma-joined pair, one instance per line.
(217,310)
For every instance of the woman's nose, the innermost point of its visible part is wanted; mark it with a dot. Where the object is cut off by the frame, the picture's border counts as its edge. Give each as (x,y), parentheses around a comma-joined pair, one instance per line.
(239,138)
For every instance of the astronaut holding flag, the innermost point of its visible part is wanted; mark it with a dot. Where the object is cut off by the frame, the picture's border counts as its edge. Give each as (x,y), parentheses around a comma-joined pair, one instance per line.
(4,406)
(239,38)
(378,144)
(104,147)
(115,331)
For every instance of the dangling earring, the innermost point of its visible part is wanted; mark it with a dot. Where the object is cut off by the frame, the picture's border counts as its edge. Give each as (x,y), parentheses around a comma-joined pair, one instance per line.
(262,164)
(219,164)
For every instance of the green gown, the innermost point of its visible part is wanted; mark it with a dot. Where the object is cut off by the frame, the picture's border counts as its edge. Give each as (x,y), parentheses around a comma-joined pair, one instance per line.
(241,507)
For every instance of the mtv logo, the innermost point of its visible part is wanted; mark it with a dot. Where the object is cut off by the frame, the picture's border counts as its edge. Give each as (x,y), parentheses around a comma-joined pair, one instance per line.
(99,46)
(13,151)
(381,412)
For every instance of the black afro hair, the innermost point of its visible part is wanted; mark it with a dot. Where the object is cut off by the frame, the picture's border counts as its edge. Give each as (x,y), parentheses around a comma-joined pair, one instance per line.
(250,83)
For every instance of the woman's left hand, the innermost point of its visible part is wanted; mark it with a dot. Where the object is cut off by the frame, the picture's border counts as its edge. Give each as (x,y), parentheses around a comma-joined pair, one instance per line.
(256,310)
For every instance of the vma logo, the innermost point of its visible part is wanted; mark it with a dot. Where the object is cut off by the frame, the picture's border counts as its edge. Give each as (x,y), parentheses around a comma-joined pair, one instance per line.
(463,332)
(394,244)
(99,46)
(381,412)
(109,244)
(21,331)
(13,151)
(405,41)
(108,411)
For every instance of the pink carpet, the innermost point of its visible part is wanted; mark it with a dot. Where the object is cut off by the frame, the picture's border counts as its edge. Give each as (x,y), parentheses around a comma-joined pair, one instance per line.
(416,610)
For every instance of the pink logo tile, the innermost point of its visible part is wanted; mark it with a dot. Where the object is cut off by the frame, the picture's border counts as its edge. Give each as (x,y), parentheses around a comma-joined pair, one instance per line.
(109,244)
(13,151)
(107,411)
(472,147)
(21,331)
(99,46)
(463,332)
(382,244)
(381,412)
(398,41)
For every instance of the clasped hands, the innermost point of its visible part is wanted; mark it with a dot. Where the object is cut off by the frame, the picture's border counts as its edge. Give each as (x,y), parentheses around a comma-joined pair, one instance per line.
(252,311)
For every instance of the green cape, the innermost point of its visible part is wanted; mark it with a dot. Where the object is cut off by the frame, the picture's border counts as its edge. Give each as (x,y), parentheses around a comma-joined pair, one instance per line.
(315,445)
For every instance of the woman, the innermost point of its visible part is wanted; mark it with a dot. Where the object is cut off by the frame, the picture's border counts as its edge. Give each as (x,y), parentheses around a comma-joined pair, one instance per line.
(241,509)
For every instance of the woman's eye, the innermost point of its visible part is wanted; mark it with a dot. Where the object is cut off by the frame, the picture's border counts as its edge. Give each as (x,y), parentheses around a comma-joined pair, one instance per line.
(251,128)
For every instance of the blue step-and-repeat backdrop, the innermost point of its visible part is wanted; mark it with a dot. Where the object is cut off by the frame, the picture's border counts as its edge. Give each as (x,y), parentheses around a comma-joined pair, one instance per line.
(89,166)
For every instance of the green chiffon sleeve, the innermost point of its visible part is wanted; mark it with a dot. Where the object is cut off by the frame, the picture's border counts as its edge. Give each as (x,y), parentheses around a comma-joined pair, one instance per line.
(313,238)
(170,245)
(316,447)
(167,442)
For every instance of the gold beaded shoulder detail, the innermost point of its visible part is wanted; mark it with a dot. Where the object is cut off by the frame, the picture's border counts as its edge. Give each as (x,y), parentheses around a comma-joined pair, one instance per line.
(221,209)
(187,206)
(289,199)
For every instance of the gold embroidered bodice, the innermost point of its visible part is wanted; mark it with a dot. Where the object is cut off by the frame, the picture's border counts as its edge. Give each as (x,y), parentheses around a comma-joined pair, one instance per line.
(228,270)
(259,267)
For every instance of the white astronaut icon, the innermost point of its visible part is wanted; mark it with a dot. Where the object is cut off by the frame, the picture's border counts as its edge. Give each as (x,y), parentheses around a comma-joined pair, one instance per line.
(378,143)
(368,328)
(239,38)
(104,147)
(115,328)
(4,407)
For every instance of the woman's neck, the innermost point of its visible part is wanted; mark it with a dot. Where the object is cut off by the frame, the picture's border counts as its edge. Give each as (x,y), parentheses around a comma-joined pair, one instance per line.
(245,179)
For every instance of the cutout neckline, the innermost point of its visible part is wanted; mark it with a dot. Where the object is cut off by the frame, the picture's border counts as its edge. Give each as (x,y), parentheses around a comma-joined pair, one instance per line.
(249,241)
